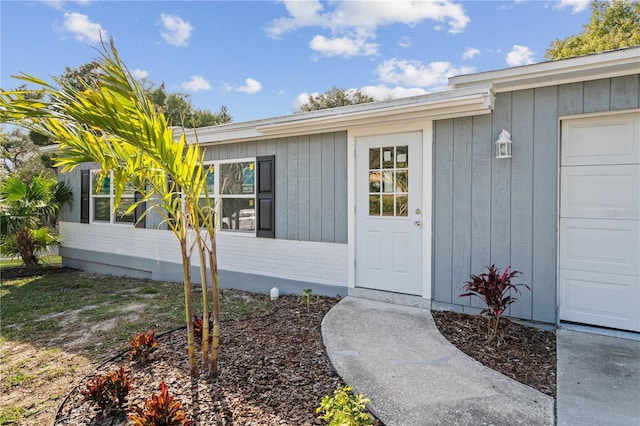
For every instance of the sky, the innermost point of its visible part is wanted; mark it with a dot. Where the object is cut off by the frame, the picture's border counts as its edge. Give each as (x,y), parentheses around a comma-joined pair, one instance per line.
(263,59)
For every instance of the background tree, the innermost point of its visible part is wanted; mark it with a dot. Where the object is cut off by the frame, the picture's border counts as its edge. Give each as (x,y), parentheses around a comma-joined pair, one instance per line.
(335,98)
(613,25)
(26,208)
(116,125)
(20,156)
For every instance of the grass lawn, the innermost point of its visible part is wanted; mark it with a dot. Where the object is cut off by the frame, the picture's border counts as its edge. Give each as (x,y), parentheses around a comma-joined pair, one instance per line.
(44,260)
(57,327)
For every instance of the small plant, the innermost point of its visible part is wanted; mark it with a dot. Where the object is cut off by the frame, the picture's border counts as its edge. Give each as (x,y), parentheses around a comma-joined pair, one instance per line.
(306,297)
(197,328)
(493,288)
(109,391)
(160,410)
(344,408)
(142,345)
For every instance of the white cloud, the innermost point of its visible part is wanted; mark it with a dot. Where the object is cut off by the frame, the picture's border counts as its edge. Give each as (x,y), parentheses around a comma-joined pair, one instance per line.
(382,92)
(519,55)
(470,53)
(575,5)
(359,20)
(302,99)
(415,74)
(177,31)
(343,46)
(405,42)
(196,84)
(140,74)
(82,28)
(379,92)
(59,5)
(251,86)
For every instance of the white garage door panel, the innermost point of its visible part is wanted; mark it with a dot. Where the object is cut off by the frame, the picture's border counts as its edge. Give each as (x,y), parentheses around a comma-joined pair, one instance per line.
(599,238)
(606,192)
(608,246)
(617,299)
(605,140)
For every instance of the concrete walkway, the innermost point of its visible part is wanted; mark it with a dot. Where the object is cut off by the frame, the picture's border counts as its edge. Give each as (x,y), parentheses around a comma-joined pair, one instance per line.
(598,380)
(396,357)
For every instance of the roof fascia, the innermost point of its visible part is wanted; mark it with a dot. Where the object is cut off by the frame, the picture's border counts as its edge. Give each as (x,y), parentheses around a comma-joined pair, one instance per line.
(583,68)
(473,100)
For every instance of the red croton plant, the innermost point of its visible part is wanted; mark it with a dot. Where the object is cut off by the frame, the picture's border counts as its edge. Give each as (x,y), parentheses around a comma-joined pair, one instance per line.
(493,288)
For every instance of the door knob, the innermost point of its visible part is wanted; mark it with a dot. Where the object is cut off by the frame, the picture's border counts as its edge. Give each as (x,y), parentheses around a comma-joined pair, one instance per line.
(417,211)
(417,223)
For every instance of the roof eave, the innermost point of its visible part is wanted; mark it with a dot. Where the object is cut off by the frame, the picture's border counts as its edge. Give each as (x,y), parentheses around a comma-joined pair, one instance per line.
(583,68)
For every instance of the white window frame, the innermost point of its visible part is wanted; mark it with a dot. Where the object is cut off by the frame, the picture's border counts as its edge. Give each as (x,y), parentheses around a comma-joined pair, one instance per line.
(111,197)
(216,196)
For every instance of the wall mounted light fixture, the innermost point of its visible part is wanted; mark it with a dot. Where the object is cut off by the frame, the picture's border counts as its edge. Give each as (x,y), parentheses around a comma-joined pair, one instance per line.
(503,145)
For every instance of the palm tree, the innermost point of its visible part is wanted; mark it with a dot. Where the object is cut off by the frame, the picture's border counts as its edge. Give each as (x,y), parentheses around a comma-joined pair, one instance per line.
(25,208)
(115,124)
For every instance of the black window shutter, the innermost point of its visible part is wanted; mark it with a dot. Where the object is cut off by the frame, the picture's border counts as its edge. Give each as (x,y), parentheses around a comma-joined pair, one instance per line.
(84,196)
(140,223)
(266,190)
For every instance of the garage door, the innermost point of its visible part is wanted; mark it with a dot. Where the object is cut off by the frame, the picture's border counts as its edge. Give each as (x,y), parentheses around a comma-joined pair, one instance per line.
(599,276)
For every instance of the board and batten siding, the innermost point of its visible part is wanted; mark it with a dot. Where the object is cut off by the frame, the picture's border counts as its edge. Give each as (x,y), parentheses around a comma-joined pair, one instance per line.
(504,211)
(311,183)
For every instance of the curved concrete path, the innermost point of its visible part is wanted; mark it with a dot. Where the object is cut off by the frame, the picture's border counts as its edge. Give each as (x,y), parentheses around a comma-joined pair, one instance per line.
(396,357)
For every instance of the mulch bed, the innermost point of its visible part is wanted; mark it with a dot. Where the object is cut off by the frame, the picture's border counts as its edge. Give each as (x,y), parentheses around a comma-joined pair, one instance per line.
(273,370)
(22,272)
(526,354)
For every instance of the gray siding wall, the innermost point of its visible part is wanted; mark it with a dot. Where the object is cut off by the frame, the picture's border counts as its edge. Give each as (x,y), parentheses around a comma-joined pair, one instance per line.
(311,183)
(505,211)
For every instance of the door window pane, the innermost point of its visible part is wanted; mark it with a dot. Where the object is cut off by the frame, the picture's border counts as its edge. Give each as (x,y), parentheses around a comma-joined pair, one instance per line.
(388,157)
(387,205)
(374,158)
(387,182)
(389,175)
(374,181)
(374,205)
(402,158)
(402,205)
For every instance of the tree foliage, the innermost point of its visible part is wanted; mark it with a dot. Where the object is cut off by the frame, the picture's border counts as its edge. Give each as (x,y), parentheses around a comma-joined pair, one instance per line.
(20,156)
(335,98)
(613,25)
(28,208)
(117,126)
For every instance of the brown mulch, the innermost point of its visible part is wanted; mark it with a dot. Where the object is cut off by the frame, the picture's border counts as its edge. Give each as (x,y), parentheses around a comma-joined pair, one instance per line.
(273,370)
(526,354)
(22,272)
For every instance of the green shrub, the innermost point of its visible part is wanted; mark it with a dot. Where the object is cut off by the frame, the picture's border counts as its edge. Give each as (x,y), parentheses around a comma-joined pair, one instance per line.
(344,409)
(141,346)
(109,391)
(160,410)
(493,289)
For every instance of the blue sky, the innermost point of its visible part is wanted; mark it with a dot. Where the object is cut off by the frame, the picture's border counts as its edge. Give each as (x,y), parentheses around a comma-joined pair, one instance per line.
(262,58)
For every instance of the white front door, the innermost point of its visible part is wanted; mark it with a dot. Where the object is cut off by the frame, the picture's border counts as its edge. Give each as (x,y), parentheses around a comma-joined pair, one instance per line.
(599,274)
(389,212)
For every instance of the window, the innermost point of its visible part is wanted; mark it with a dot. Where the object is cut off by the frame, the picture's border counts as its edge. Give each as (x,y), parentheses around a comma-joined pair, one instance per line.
(102,201)
(389,181)
(232,185)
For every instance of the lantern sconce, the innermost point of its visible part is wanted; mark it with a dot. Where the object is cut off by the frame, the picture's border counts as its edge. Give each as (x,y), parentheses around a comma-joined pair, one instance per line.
(503,145)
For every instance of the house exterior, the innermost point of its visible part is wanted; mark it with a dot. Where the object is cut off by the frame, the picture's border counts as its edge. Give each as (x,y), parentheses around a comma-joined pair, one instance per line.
(405,198)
